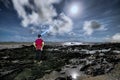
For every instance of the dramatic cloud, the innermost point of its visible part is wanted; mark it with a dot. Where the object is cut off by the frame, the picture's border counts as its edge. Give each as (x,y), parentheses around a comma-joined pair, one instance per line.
(61,25)
(114,38)
(90,26)
(42,12)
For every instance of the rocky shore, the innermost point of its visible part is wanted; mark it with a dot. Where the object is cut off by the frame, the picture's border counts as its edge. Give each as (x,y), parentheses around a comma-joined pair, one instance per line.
(60,62)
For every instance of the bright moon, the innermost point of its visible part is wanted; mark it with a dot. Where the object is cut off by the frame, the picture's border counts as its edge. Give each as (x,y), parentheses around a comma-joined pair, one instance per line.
(74,9)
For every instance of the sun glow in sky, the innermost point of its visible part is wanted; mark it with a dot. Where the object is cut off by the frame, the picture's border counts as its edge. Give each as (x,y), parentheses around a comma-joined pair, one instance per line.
(74,9)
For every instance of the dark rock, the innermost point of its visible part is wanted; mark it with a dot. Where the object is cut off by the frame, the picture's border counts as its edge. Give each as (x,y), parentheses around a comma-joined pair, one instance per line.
(60,78)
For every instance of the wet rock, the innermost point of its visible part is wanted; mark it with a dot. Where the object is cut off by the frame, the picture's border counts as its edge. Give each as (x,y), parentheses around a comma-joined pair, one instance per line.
(6,72)
(48,71)
(69,77)
(60,78)
(81,67)
(67,66)
(74,61)
(104,61)
(5,57)
(74,66)
(15,61)
(52,76)
(62,72)
(24,75)
(101,54)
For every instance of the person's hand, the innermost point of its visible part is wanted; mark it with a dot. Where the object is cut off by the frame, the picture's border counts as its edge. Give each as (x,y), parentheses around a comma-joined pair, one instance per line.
(41,49)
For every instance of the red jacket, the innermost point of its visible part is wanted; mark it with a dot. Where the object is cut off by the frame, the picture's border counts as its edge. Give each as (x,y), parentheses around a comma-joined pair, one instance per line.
(39,44)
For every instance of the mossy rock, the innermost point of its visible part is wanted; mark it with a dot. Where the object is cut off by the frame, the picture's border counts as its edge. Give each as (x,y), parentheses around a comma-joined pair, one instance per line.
(24,75)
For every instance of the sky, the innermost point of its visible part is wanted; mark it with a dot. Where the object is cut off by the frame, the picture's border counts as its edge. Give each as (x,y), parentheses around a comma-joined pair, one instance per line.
(60,20)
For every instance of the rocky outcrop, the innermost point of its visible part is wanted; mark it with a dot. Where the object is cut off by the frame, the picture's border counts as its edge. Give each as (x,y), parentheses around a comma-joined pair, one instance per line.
(59,62)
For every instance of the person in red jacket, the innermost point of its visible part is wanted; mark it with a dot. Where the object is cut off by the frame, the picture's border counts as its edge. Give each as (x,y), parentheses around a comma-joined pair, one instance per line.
(38,44)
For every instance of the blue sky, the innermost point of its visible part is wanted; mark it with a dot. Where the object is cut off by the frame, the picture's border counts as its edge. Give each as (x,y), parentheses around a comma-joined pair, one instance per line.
(95,20)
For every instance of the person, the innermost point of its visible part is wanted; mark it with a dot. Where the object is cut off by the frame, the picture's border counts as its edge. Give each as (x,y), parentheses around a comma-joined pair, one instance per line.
(38,44)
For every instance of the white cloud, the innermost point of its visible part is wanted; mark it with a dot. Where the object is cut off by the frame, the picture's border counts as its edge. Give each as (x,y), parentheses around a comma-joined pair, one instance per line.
(35,18)
(114,38)
(19,7)
(42,12)
(61,25)
(90,26)
(45,9)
